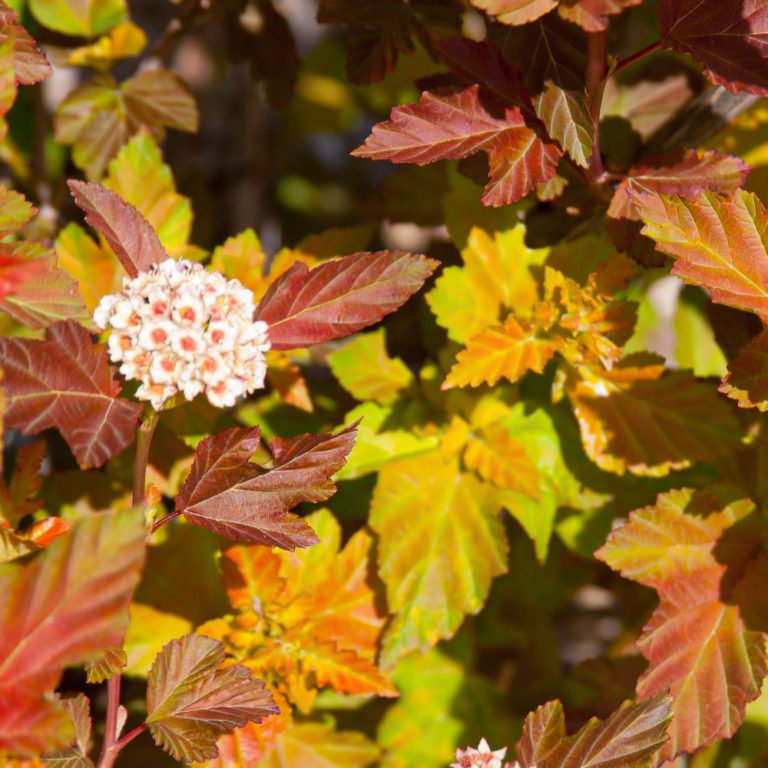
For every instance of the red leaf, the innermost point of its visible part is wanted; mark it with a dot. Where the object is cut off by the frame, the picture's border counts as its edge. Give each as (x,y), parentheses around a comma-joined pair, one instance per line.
(697,172)
(65,382)
(457,124)
(15,270)
(63,608)
(228,494)
(729,38)
(128,233)
(310,306)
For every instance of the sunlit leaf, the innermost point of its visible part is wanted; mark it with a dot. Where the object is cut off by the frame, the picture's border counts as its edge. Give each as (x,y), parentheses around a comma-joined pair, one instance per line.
(509,351)
(593,15)
(309,306)
(228,494)
(459,123)
(516,11)
(704,557)
(631,737)
(191,700)
(718,244)
(78,17)
(123,41)
(440,545)
(66,382)
(30,64)
(68,605)
(366,371)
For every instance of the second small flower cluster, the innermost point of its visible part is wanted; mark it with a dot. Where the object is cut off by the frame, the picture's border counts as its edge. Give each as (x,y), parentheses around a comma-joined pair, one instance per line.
(178,328)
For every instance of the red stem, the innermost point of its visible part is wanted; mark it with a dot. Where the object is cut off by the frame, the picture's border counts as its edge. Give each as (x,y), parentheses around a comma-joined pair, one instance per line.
(163,520)
(597,70)
(641,54)
(111,746)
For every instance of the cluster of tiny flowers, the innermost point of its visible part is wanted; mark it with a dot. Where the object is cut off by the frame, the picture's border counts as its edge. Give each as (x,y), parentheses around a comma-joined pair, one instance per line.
(482,757)
(178,328)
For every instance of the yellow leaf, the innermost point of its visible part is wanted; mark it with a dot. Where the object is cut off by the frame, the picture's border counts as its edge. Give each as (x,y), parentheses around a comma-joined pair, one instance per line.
(509,351)
(125,40)
(148,631)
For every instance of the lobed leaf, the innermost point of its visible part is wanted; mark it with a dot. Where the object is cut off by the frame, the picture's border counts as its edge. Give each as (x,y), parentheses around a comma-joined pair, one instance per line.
(730,39)
(696,173)
(128,233)
(633,419)
(191,701)
(29,62)
(66,382)
(509,351)
(63,608)
(440,545)
(593,15)
(455,124)
(228,494)
(747,379)
(704,557)
(631,737)
(718,244)
(310,306)
(516,12)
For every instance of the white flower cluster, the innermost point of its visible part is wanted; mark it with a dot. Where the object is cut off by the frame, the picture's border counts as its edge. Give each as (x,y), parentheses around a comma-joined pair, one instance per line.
(179,328)
(482,757)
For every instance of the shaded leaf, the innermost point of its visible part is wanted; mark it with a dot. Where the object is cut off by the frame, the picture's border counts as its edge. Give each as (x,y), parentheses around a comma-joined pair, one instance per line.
(703,558)
(76,755)
(729,40)
(440,545)
(718,244)
(456,124)
(228,494)
(191,701)
(747,379)
(630,737)
(379,31)
(66,382)
(634,419)
(18,497)
(336,298)
(128,233)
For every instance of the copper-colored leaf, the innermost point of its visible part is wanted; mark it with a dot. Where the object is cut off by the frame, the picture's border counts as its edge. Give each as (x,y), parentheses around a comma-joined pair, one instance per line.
(336,298)
(593,15)
(128,233)
(230,495)
(705,559)
(697,172)
(30,64)
(65,607)
(66,382)
(191,700)
(459,123)
(729,39)
(630,738)
(747,379)
(718,243)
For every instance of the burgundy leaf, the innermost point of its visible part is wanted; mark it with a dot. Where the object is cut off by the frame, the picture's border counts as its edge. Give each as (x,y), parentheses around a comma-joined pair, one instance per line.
(234,497)
(128,233)
(66,382)
(729,38)
(311,306)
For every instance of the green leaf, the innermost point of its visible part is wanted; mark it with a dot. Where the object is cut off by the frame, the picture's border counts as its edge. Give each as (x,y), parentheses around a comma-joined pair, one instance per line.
(440,545)
(191,701)
(366,370)
(85,18)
